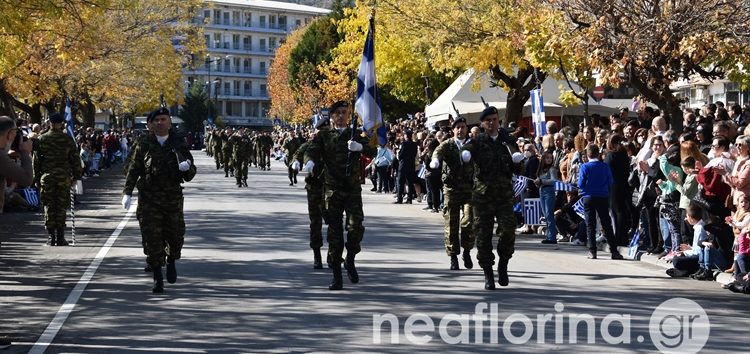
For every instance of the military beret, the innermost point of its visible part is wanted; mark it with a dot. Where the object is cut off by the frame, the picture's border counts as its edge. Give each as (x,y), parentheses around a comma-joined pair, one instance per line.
(458,120)
(338,105)
(157,112)
(487,112)
(409,132)
(322,123)
(56,118)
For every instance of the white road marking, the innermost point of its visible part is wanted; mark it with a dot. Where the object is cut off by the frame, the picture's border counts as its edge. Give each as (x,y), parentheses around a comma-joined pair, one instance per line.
(70,303)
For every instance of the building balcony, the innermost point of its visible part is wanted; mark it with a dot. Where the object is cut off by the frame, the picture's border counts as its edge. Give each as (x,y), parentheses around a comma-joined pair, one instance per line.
(255,74)
(240,51)
(239,97)
(252,27)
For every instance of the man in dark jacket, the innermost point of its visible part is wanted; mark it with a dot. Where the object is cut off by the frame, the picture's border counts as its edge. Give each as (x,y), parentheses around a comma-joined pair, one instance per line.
(407,155)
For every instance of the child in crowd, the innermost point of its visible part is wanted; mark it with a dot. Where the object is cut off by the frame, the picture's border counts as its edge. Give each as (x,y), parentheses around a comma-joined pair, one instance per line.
(740,222)
(688,189)
(687,260)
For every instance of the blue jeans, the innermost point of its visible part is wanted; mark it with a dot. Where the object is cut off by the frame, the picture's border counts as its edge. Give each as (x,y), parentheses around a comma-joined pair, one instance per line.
(547,196)
(712,259)
(666,235)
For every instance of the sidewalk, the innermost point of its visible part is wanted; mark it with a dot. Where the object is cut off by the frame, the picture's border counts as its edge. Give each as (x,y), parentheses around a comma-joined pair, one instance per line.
(34,278)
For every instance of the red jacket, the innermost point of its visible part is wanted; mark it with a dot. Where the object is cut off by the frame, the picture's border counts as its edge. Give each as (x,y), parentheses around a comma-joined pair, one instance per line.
(713,185)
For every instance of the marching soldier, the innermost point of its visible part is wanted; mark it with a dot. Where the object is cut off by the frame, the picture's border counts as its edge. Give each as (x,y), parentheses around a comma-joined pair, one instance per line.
(457,178)
(218,143)
(339,151)
(240,156)
(226,153)
(492,196)
(56,165)
(161,163)
(208,143)
(290,146)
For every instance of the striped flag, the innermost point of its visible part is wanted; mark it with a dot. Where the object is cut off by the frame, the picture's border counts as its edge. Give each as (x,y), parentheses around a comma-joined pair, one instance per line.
(578,208)
(519,184)
(532,211)
(70,126)
(367,103)
(562,186)
(537,112)
(31,196)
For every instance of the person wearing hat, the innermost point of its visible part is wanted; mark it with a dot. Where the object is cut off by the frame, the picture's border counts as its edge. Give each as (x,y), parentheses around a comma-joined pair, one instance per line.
(226,152)
(290,145)
(161,163)
(492,198)
(56,165)
(338,150)
(457,178)
(240,143)
(316,208)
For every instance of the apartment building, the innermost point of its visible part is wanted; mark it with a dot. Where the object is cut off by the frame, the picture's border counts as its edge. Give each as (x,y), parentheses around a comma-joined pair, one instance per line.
(241,39)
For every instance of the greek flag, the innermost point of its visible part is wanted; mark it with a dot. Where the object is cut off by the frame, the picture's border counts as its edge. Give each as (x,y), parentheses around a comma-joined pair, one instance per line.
(578,208)
(537,112)
(519,184)
(31,196)
(532,211)
(562,186)
(367,104)
(69,120)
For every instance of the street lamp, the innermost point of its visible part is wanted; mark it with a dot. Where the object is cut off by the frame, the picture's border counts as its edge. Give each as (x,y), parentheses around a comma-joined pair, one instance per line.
(210,61)
(427,88)
(217,82)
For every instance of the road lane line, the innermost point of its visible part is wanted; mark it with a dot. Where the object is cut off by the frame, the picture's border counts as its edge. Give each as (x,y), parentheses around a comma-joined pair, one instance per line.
(70,303)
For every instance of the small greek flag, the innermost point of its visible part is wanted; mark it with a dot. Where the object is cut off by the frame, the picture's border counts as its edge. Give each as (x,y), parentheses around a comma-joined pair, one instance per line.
(519,184)
(537,113)
(578,208)
(31,196)
(562,186)
(422,171)
(532,211)
(367,103)
(70,128)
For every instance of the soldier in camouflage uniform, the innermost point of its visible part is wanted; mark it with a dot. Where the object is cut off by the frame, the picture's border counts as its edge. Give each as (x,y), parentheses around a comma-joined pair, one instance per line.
(315,197)
(218,143)
(291,144)
(457,186)
(207,142)
(56,165)
(343,192)
(492,196)
(240,156)
(251,150)
(161,163)
(226,153)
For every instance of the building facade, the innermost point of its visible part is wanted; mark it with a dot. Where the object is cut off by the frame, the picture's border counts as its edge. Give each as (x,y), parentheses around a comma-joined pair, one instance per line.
(241,39)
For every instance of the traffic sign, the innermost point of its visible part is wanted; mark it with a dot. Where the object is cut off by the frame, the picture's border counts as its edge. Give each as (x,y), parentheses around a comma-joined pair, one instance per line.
(598,93)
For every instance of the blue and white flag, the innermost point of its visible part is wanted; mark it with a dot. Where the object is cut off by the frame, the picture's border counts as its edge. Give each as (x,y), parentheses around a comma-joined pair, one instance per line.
(31,196)
(532,211)
(562,186)
(519,184)
(537,112)
(70,126)
(578,208)
(367,104)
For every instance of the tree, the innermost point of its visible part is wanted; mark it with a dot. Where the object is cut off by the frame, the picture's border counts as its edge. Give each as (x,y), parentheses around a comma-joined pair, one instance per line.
(652,44)
(195,109)
(495,36)
(284,97)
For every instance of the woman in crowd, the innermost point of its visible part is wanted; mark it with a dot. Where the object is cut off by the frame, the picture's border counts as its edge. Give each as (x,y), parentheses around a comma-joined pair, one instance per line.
(547,175)
(620,197)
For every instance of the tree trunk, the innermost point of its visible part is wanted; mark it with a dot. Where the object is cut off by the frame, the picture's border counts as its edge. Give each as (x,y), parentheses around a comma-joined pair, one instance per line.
(89,112)
(664,99)
(519,90)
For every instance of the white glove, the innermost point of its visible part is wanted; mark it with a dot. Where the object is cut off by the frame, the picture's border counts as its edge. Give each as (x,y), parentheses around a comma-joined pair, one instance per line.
(185,165)
(517,157)
(435,163)
(126,199)
(295,165)
(354,146)
(465,156)
(308,167)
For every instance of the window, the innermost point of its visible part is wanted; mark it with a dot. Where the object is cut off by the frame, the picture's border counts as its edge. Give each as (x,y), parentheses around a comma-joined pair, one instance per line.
(297,23)
(230,112)
(235,18)
(282,22)
(251,108)
(247,43)
(227,65)
(262,67)
(208,40)
(236,91)
(263,92)
(217,17)
(248,88)
(206,14)
(247,64)
(262,44)
(307,20)
(226,18)
(248,19)
(263,22)
(235,41)
(271,44)
(271,21)
(217,40)
(227,88)
(236,63)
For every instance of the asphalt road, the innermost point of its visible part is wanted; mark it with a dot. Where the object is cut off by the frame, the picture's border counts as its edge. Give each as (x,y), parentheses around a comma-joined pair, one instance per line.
(246,284)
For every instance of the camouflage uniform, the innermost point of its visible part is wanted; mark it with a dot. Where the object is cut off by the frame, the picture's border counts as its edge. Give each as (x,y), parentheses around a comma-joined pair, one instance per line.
(315,203)
(154,170)
(457,186)
(492,198)
(290,148)
(226,155)
(218,143)
(343,193)
(56,165)
(251,150)
(240,157)
(207,142)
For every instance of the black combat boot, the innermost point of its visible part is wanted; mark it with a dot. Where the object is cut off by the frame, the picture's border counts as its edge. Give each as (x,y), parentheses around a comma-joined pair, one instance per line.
(502,272)
(148,269)
(295,178)
(317,259)
(244,182)
(454,262)
(158,281)
(351,270)
(226,173)
(337,283)
(171,271)
(52,240)
(468,264)
(61,237)
(489,279)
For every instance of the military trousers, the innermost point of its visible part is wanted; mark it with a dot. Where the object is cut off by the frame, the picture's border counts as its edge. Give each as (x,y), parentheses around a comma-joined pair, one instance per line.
(338,203)
(227,161)
(55,196)
(488,211)
(240,169)
(162,229)
(316,210)
(218,157)
(455,203)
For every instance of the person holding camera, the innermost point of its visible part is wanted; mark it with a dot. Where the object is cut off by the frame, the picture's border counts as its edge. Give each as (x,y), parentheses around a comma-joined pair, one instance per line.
(56,165)
(11,139)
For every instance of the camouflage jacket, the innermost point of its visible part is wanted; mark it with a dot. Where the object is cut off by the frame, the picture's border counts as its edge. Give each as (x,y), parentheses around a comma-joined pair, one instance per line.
(291,145)
(493,166)
(330,147)
(57,157)
(241,147)
(154,170)
(226,144)
(456,175)
(314,178)
(216,139)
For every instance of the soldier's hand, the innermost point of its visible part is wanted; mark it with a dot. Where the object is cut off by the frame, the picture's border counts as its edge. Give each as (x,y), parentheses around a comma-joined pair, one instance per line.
(517,157)
(185,165)
(126,201)
(465,156)
(435,163)
(354,146)
(308,167)
(295,165)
